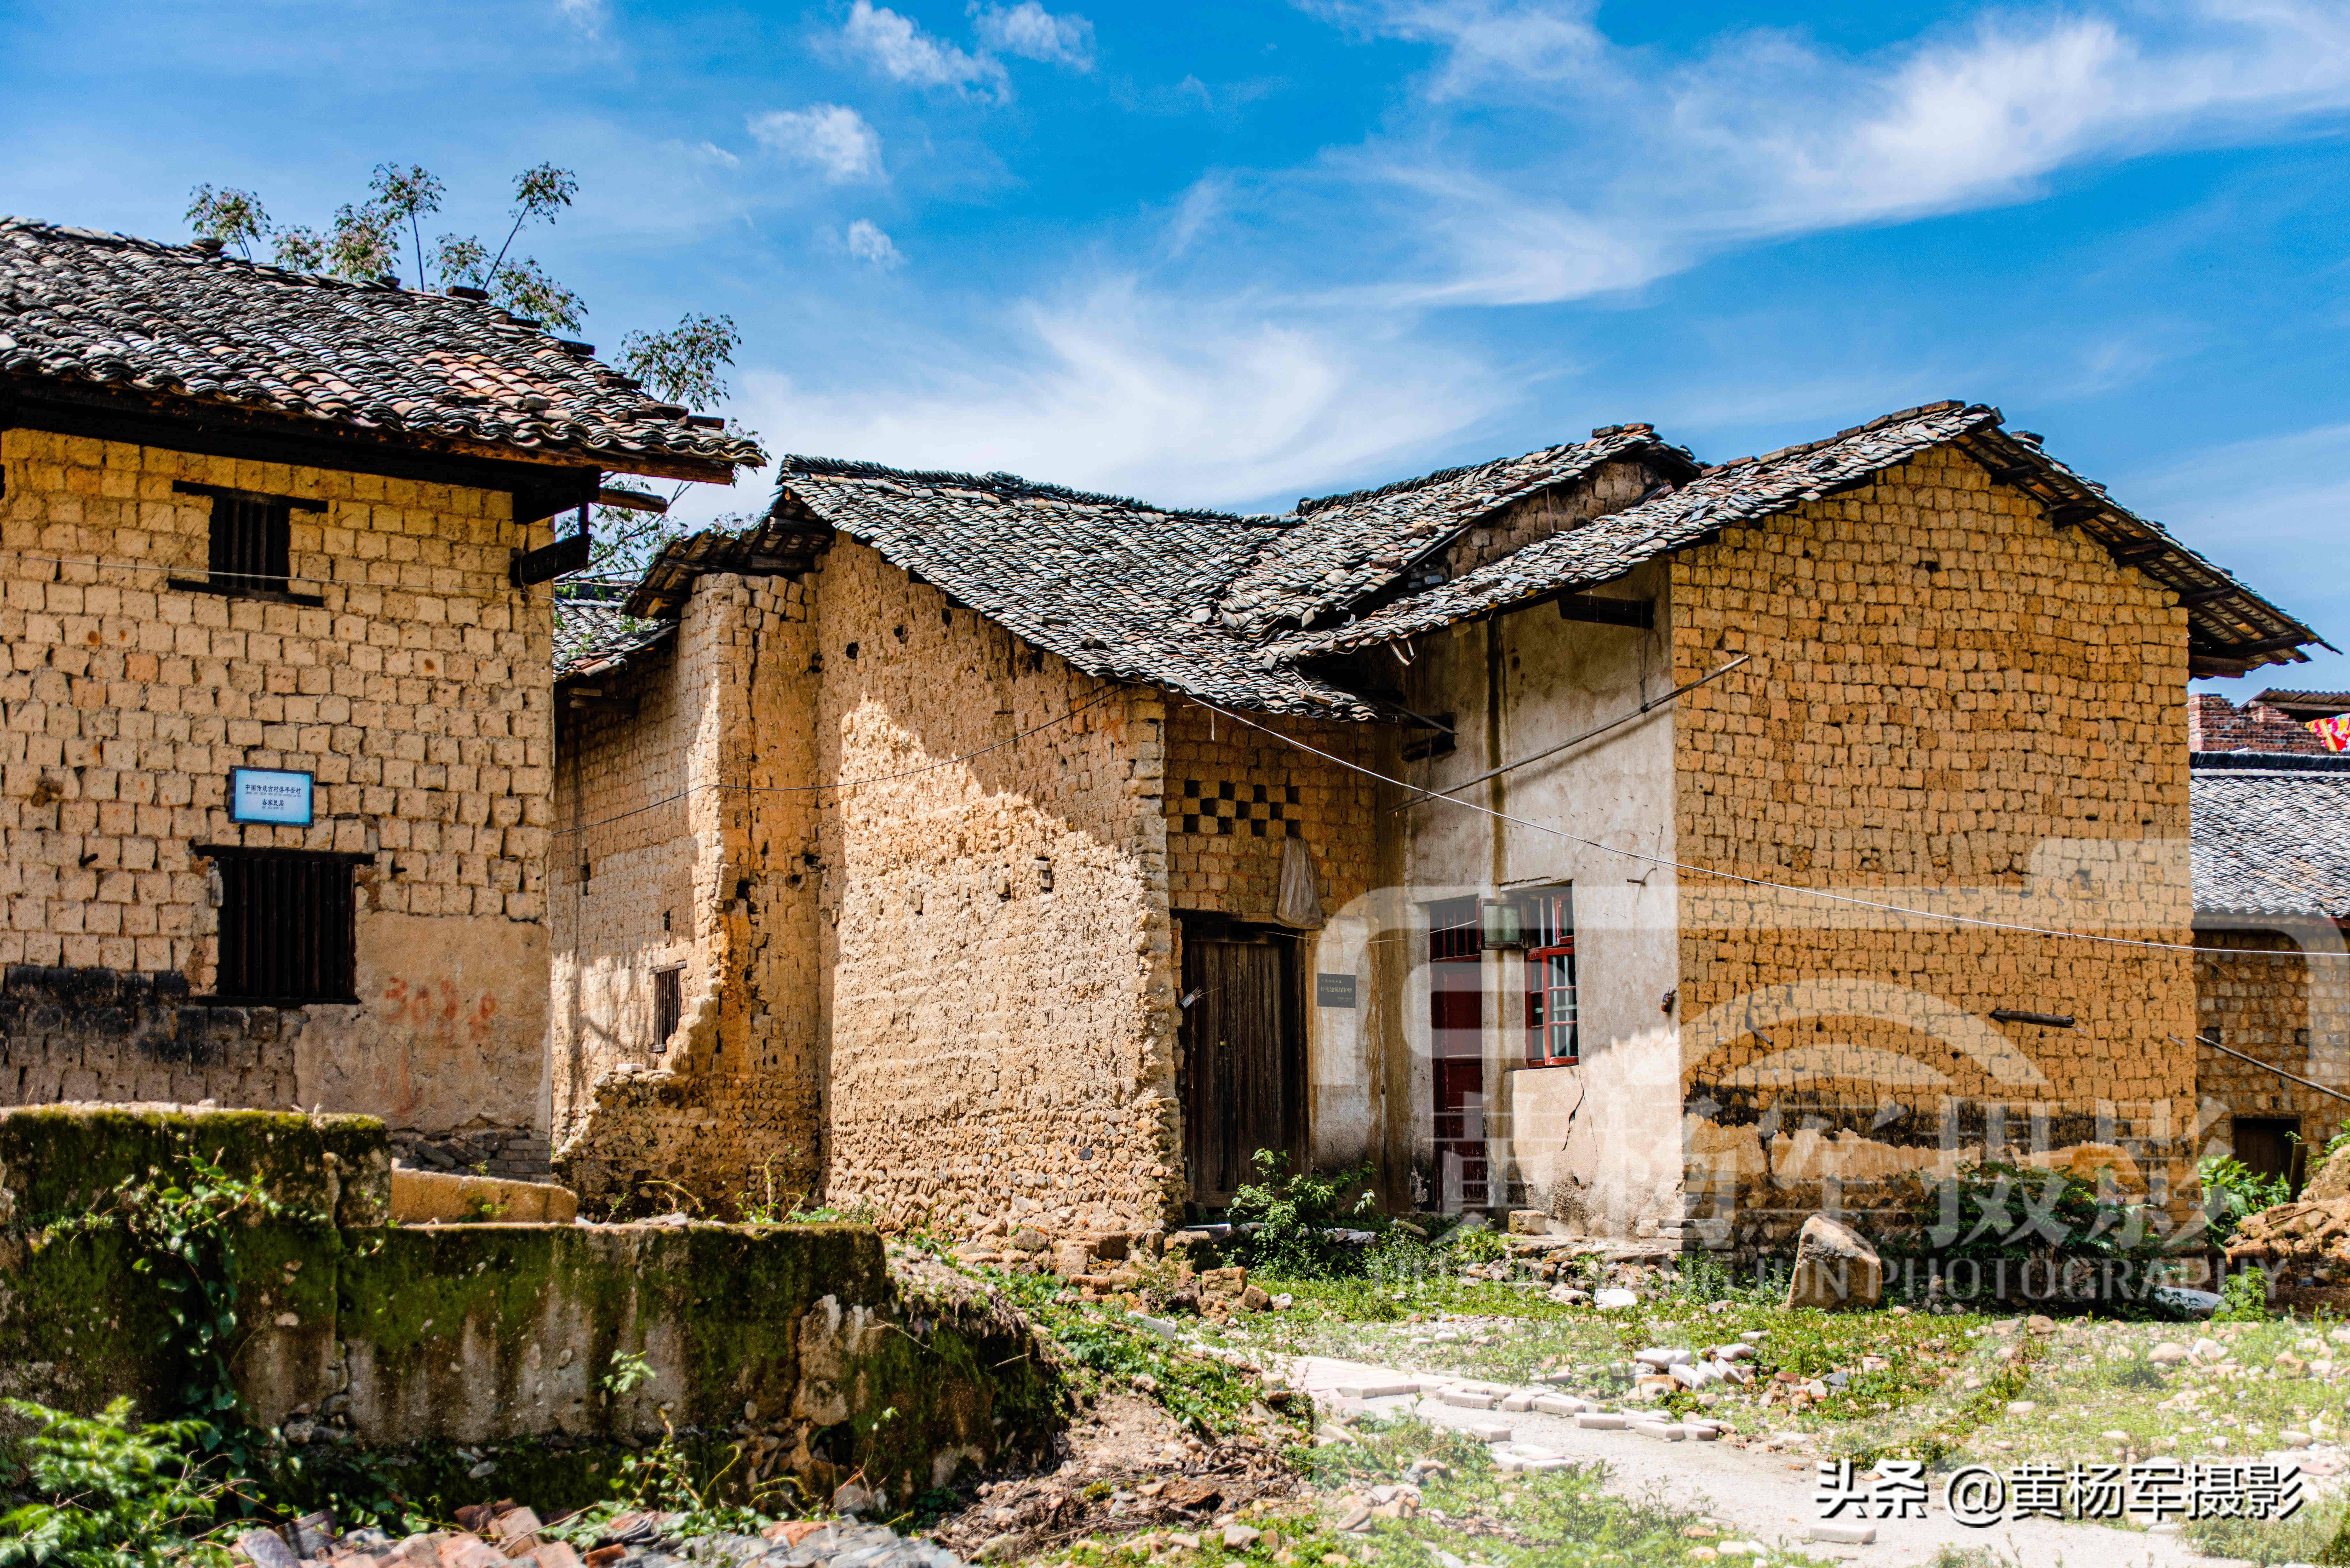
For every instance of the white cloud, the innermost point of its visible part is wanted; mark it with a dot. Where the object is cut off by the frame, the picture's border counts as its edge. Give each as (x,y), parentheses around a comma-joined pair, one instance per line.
(902,51)
(588,15)
(1176,399)
(829,138)
(711,153)
(867,241)
(1539,162)
(1032,33)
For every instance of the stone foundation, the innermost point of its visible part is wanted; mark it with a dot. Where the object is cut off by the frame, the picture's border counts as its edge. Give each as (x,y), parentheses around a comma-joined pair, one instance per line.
(807,1346)
(98,1034)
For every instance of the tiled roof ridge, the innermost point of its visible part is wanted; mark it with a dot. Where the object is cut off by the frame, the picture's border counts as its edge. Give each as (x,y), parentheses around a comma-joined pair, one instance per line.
(1307,506)
(1010,485)
(86,307)
(1608,546)
(1902,416)
(2290,692)
(196,256)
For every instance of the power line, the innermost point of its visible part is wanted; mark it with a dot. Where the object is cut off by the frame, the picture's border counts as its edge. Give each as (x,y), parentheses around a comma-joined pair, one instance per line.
(1665,861)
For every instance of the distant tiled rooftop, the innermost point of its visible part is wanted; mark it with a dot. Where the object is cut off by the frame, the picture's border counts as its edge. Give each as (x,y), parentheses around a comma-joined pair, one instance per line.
(590,635)
(106,311)
(2272,833)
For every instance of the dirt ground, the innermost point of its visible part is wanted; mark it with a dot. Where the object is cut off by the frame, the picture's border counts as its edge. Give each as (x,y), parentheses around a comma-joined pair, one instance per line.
(1131,1467)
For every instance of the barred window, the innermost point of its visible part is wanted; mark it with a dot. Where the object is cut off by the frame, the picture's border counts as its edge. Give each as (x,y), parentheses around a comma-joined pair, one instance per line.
(251,547)
(252,544)
(666,1006)
(287,925)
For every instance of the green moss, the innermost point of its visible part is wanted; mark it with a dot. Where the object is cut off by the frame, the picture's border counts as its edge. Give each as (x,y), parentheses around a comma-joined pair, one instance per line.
(58,1160)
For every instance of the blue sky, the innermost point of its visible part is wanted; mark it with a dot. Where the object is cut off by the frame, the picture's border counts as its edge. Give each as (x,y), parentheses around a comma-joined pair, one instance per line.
(1232,254)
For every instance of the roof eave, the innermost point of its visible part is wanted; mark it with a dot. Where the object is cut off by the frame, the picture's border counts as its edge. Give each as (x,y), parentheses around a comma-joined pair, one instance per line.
(25,399)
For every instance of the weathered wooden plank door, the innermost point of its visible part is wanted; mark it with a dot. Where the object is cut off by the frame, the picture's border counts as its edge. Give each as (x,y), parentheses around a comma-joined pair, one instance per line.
(1237,1091)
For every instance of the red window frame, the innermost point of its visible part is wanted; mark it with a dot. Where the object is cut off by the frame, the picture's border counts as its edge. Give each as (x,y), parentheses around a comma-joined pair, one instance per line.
(1553,1029)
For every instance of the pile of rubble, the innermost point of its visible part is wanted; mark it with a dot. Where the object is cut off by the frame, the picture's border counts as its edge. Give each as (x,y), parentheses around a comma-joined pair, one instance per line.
(506,1535)
(1186,1491)
(2312,1237)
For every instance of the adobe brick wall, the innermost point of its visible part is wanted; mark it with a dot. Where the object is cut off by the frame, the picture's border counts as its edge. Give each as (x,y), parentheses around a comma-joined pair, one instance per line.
(2216,724)
(661,793)
(1000,1035)
(1951,701)
(418,695)
(2291,1010)
(945,993)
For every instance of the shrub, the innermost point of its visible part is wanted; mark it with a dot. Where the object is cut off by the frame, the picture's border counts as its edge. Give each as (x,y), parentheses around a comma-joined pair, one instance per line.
(1291,1216)
(104,1492)
(2016,1224)
(2232,1190)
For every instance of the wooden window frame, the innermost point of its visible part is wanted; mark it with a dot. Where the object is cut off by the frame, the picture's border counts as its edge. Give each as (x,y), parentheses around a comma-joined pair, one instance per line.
(250,552)
(669,1004)
(1550,941)
(287,933)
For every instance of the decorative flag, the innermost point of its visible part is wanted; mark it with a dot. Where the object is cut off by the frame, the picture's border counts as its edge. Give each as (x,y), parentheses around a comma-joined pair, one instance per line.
(2333,731)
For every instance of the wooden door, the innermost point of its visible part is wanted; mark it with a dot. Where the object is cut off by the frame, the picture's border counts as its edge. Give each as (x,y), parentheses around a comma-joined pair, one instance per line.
(1239,1089)
(2267,1145)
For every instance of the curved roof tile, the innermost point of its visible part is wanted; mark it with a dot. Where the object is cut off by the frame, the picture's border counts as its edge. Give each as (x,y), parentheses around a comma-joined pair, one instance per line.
(109,310)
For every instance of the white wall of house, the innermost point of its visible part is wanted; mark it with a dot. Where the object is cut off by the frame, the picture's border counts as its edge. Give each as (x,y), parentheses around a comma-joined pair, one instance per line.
(1599,1143)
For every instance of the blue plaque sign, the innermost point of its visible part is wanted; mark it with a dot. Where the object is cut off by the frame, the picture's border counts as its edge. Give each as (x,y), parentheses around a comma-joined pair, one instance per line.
(266,795)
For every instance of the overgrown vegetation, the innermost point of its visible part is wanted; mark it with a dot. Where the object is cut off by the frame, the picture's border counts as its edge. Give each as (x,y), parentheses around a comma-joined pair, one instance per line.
(105,1492)
(1115,1349)
(1291,1216)
(2232,1191)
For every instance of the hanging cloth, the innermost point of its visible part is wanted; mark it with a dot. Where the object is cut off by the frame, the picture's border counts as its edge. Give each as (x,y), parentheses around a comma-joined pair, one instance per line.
(1299,902)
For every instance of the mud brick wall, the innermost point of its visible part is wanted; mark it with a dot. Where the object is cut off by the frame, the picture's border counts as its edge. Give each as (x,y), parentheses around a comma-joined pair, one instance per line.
(416,694)
(2216,724)
(620,874)
(1948,703)
(689,787)
(100,1033)
(928,953)
(2262,994)
(1001,1036)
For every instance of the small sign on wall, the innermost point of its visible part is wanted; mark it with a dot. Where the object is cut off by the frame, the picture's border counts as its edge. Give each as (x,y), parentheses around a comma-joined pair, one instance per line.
(1333,990)
(267,794)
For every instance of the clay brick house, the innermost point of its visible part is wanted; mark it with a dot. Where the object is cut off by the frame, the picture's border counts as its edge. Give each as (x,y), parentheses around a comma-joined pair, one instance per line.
(1597,830)
(2272,850)
(276,710)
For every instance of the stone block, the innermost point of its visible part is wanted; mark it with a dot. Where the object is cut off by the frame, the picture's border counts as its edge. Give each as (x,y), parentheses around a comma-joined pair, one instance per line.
(1834,1268)
(433,1196)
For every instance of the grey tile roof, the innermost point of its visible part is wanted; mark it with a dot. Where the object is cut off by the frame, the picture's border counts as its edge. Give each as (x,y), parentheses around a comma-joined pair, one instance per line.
(1342,548)
(1240,608)
(590,636)
(2230,618)
(106,310)
(1119,588)
(2271,840)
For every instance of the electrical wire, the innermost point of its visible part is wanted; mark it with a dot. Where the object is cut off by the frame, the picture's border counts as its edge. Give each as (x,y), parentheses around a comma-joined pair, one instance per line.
(1821,893)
